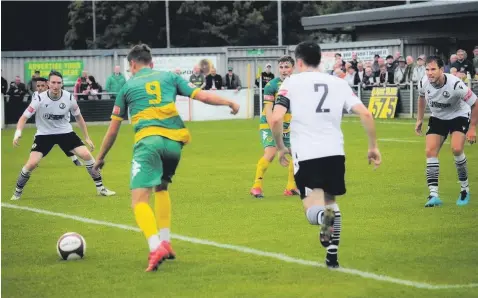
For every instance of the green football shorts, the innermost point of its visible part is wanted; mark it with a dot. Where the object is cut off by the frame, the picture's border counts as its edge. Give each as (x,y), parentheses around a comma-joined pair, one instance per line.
(155,159)
(267,138)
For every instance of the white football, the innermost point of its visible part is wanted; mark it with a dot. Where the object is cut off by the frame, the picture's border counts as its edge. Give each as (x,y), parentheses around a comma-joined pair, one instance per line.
(71,246)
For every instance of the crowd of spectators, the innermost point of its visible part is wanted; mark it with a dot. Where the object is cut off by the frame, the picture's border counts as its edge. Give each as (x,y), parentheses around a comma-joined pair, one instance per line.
(399,70)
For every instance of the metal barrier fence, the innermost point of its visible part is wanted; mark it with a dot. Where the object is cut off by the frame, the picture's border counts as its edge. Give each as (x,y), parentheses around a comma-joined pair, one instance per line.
(100,109)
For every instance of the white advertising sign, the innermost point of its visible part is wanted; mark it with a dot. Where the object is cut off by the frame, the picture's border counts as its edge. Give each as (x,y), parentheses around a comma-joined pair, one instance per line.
(184,63)
(328,58)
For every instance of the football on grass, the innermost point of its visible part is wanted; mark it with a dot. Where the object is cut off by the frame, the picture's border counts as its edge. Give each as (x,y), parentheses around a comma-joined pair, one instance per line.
(71,246)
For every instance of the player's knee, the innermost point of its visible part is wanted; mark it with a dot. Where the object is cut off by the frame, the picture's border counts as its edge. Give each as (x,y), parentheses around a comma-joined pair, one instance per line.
(83,153)
(457,150)
(431,152)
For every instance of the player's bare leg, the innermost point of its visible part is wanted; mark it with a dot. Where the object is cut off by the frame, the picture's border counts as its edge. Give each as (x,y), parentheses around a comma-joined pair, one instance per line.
(458,146)
(32,163)
(89,160)
(262,165)
(162,211)
(147,223)
(433,145)
(321,209)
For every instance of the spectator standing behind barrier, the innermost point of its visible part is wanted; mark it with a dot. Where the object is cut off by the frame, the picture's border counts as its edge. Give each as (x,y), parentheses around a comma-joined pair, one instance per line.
(231,80)
(352,77)
(266,76)
(81,85)
(115,82)
(390,69)
(354,61)
(475,60)
(383,77)
(360,71)
(409,70)
(368,79)
(32,84)
(197,78)
(396,59)
(17,90)
(381,62)
(453,59)
(376,65)
(213,81)
(4,86)
(399,75)
(93,89)
(419,70)
(462,64)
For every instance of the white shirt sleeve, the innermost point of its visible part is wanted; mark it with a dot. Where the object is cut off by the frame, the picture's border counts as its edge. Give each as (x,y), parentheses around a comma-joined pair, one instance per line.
(285,88)
(351,98)
(74,108)
(33,107)
(465,93)
(421,90)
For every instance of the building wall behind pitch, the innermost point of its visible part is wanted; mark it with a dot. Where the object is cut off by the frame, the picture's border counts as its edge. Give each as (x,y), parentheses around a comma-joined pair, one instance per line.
(100,63)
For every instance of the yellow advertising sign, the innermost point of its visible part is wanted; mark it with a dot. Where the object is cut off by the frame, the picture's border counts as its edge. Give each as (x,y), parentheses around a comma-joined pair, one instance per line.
(383,102)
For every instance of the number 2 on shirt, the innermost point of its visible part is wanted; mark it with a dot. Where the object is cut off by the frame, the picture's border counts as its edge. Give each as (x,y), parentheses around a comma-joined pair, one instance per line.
(153,88)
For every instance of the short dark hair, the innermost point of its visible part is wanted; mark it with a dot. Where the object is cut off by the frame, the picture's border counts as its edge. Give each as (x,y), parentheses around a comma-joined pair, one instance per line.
(55,73)
(287,58)
(309,52)
(140,53)
(41,80)
(437,59)
(476,48)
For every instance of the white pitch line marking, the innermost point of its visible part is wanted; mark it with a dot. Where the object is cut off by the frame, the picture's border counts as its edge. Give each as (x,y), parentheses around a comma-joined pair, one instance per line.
(247,250)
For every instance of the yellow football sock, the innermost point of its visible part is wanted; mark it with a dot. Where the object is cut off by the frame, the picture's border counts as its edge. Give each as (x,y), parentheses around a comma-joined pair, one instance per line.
(262,166)
(162,209)
(145,219)
(291,180)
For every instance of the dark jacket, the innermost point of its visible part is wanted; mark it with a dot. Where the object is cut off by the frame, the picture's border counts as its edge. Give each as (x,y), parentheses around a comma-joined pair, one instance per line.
(217,81)
(266,78)
(4,86)
(464,66)
(17,93)
(232,83)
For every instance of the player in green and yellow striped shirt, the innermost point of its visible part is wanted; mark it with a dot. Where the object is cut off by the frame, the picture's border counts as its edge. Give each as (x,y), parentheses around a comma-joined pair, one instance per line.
(160,134)
(286,67)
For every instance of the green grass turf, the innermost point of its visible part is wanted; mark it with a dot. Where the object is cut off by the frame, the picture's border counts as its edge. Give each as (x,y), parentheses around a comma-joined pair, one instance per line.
(386,229)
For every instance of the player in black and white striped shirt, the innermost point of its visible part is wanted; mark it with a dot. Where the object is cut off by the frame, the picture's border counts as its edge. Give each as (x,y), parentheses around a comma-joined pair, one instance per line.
(52,109)
(42,86)
(454,112)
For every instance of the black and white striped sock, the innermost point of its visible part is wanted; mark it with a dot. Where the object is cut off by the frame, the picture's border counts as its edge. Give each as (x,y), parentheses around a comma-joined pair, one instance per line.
(94,174)
(433,171)
(462,169)
(22,180)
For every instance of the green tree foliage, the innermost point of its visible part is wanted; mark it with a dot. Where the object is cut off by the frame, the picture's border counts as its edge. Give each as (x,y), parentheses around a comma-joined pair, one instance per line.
(200,24)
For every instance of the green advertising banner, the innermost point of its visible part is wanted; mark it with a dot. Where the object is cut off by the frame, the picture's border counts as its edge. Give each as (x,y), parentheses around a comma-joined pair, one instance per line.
(70,69)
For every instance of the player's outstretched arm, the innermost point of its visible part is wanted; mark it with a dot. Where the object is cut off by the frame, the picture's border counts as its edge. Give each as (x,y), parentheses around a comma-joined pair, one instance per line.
(276,124)
(18,133)
(420,115)
(369,125)
(212,98)
(108,142)
(82,124)
(471,134)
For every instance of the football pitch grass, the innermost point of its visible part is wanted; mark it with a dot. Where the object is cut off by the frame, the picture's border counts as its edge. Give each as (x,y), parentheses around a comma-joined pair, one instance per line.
(257,248)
